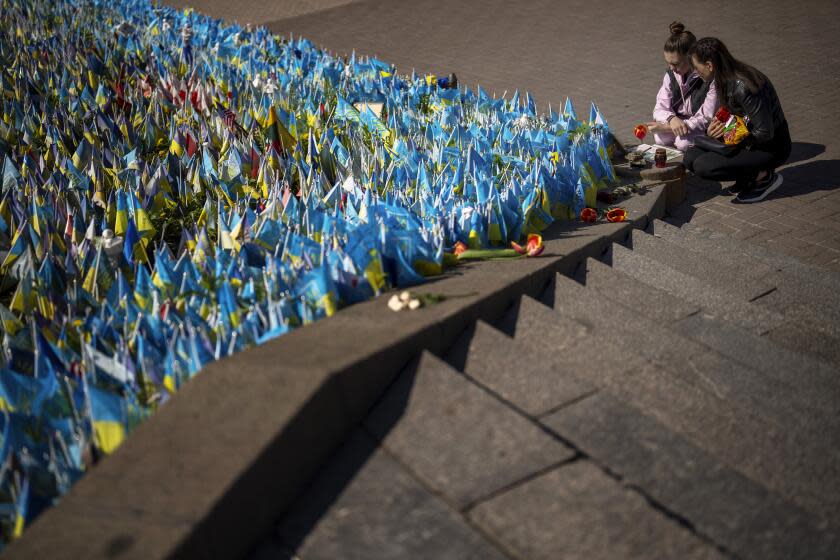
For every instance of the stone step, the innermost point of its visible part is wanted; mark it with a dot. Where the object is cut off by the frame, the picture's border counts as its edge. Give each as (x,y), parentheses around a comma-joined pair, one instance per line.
(762,395)
(791,288)
(515,374)
(569,343)
(811,309)
(722,304)
(778,457)
(460,440)
(364,504)
(701,266)
(653,303)
(775,259)
(730,509)
(578,511)
(811,331)
(817,381)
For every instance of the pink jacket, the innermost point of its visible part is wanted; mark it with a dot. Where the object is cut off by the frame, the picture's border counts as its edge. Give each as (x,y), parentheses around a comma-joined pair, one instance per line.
(696,119)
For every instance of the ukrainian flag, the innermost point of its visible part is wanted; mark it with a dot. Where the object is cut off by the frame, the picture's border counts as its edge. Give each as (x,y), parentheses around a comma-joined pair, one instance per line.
(22,508)
(177,145)
(83,154)
(121,219)
(108,416)
(278,135)
(17,249)
(141,219)
(133,250)
(142,288)
(8,321)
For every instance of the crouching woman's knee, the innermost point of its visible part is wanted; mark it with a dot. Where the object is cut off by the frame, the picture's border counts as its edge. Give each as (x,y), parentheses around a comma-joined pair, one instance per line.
(690,157)
(702,164)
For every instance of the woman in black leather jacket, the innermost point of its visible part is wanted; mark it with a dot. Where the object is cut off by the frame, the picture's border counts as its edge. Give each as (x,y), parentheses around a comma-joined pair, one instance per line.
(748,93)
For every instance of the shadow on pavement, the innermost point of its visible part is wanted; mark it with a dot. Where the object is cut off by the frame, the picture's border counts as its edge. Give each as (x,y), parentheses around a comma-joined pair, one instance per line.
(336,475)
(800,178)
(823,175)
(802,151)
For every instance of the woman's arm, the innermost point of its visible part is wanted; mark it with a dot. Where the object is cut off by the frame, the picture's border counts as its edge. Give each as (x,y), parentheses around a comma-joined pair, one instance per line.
(702,117)
(758,110)
(662,110)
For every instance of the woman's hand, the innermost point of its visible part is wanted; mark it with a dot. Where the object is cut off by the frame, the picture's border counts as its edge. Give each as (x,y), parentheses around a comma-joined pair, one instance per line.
(715,129)
(654,126)
(678,127)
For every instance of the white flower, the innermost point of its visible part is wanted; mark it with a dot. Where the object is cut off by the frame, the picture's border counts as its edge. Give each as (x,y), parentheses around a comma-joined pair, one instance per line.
(395,303)
(414,304)
(405,296)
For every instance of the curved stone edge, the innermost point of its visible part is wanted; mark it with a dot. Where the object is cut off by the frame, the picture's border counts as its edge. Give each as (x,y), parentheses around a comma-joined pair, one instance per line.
(214,469)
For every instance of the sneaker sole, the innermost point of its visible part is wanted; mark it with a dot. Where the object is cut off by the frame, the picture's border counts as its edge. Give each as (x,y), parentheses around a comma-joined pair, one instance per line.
(776,184)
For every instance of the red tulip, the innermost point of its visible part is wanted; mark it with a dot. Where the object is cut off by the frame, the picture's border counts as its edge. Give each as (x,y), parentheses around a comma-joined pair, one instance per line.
(589,215)
(535,245)
(723,114)
(460,247)
(617,215)
(533,248)
(640,131)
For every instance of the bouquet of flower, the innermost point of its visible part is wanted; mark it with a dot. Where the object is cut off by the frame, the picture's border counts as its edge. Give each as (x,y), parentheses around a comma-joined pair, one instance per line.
(734,127)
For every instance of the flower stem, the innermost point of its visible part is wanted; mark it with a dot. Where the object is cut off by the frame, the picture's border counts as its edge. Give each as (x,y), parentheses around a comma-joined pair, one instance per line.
(484,254)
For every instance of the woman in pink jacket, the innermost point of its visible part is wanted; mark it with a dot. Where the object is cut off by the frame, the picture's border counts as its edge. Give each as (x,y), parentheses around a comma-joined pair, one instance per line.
(685,104)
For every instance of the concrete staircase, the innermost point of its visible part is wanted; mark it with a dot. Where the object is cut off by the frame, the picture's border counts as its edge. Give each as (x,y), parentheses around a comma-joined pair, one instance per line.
(679,397)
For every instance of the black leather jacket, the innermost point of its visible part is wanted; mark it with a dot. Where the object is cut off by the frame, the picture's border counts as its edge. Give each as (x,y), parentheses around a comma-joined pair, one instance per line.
(762,109)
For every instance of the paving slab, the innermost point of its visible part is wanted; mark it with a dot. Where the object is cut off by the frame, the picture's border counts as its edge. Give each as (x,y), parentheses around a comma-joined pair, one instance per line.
(720,503)
(722,304)
(365,505)
(461,441)
(653,303)
(509,369)
(577,511)
(744,283)
(258,13)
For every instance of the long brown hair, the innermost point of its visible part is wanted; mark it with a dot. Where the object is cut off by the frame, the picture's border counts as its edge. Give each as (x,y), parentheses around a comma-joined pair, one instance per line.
(727,68)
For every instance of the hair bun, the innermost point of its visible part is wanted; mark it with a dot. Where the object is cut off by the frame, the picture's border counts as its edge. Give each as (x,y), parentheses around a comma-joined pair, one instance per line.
(677,28)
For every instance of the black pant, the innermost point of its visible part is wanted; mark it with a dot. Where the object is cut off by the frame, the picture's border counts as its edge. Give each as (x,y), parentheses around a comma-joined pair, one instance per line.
(744,165)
